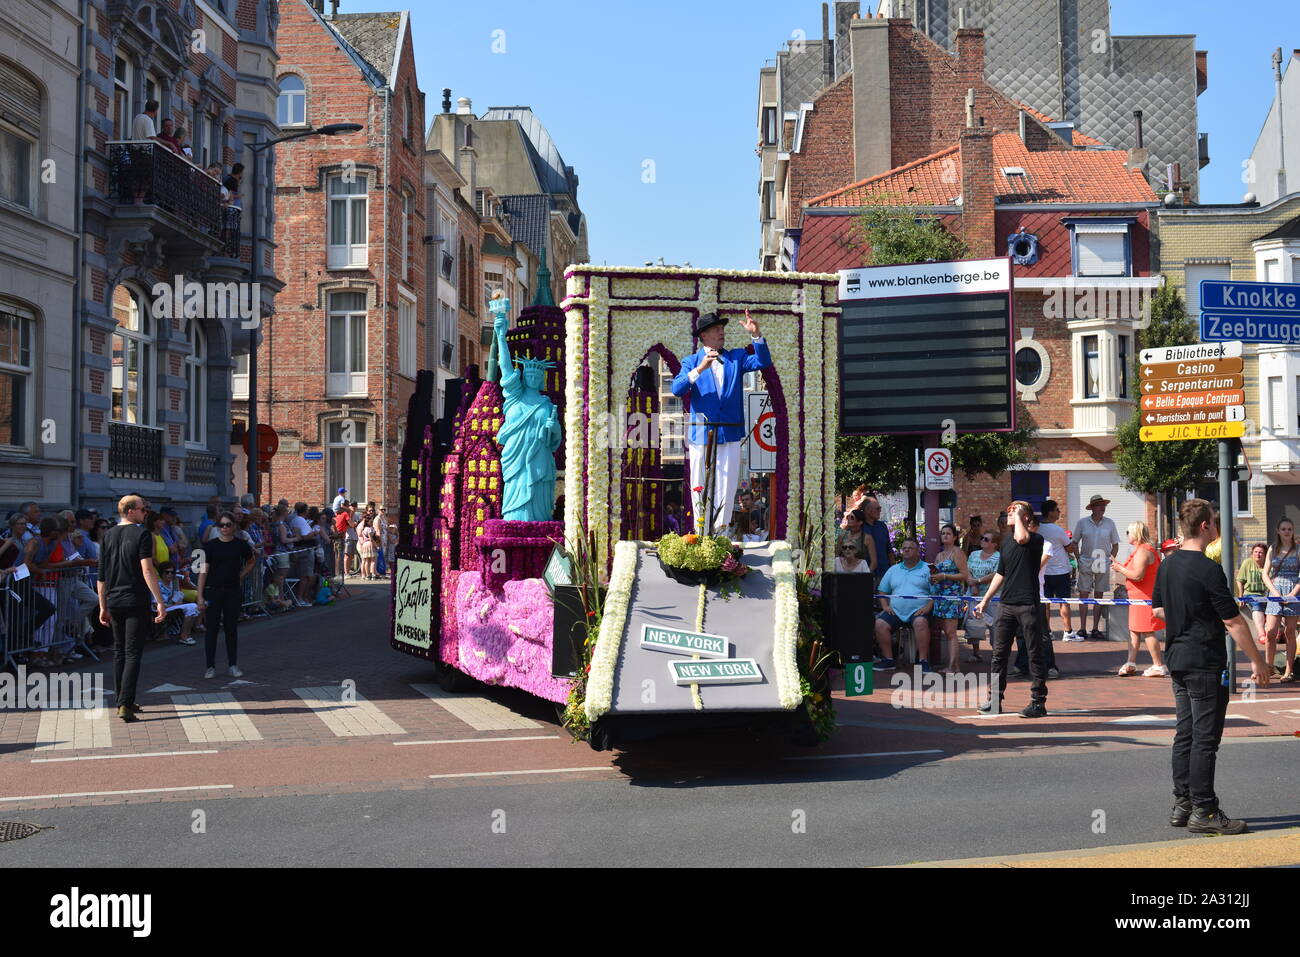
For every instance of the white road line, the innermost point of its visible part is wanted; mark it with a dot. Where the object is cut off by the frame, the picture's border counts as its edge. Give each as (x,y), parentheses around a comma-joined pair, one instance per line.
(528,737)
(84,794)
(108,757)
(347,719)
(213,717)
(868,754)
(493,774)
(481,714)
(1264,700)
(67,729)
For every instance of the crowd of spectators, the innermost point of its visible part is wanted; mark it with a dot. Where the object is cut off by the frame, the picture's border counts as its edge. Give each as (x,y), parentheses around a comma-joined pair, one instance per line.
(49,563)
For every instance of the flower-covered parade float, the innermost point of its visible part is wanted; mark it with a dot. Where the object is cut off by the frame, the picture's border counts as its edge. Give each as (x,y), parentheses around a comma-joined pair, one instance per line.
(534,546)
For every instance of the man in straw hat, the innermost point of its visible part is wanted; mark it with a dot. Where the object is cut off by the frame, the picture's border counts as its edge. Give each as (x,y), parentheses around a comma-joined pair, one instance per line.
(1097,539)
(713,376)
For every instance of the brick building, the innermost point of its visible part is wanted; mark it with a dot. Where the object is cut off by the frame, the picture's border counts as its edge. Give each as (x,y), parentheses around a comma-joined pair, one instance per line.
(154,389)
(1077,223)
(337,363)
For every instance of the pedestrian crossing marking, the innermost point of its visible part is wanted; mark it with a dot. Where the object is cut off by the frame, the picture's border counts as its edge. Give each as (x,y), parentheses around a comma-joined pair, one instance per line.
(347,719)
(481,714)
(215,716)
(71,729)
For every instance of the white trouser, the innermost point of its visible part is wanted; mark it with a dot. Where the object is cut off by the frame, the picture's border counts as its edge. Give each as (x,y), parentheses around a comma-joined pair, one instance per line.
(726,477)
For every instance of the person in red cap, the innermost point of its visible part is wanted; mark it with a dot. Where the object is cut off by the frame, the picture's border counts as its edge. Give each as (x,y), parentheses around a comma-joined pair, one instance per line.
(713,376)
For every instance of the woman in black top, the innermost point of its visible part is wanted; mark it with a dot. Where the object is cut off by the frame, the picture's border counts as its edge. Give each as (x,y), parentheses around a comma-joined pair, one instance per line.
(222,567)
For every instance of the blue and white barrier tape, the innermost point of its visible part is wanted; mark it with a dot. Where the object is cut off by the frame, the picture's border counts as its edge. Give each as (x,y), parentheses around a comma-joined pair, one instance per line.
(1251,600)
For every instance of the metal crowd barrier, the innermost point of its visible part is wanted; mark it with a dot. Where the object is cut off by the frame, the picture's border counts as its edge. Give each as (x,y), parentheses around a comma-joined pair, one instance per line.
(292,576)
(38,619)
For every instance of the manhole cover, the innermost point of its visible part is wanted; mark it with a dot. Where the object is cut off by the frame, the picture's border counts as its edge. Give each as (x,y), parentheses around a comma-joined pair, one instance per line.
(13,831)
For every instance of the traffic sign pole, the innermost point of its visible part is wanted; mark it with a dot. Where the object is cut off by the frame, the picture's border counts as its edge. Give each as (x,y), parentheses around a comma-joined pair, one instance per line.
(1227,500)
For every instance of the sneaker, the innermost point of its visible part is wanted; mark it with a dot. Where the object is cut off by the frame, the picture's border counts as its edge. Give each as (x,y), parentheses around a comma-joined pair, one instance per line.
(884,664)
(126,714)
(1180,812)
(1018,673)
(73,656)
(1156,671)
(1214,821)
(1034,709)
(1053,673)
(235,671)
(925,667)
(210,673)
(1127,668)
(990,707)
(1096,635)
(188,641)
(1073,636)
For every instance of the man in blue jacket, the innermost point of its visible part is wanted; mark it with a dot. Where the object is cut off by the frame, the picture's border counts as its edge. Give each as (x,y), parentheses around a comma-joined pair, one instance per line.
(713,376)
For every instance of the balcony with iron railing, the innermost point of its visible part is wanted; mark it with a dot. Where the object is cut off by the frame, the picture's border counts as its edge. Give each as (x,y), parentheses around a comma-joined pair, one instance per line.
(149,181)
(200,468)
(135,452)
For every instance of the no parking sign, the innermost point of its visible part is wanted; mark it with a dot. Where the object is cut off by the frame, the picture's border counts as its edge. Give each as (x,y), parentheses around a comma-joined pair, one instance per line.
(937,469)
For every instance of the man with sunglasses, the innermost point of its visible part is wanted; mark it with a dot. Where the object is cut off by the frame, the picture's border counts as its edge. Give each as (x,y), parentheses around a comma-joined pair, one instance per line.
(127,581)
(226,561)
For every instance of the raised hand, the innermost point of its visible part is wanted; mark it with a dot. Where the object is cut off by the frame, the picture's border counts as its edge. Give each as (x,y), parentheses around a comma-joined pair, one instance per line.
(749,324)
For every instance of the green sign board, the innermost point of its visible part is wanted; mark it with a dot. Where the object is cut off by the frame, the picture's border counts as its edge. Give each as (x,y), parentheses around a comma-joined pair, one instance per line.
(684,642)
(725,671)
(858,678)
(559,568)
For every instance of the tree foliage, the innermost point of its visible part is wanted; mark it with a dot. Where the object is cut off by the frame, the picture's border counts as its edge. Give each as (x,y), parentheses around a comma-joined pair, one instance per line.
(1162,467)
(897,235)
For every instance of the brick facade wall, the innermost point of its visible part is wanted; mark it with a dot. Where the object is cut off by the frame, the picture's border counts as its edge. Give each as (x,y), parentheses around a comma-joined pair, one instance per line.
(293,387)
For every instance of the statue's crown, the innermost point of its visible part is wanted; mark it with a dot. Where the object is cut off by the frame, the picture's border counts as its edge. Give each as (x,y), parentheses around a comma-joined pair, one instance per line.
(535,363)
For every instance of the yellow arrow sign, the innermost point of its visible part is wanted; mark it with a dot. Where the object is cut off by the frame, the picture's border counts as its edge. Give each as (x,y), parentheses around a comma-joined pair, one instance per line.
(1193,430)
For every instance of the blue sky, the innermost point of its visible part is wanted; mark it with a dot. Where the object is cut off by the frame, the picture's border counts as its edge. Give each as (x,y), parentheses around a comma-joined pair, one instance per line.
(675,83)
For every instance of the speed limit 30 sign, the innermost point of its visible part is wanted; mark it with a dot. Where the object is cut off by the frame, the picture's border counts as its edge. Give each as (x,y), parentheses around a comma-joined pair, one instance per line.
(937,469)
(762,432)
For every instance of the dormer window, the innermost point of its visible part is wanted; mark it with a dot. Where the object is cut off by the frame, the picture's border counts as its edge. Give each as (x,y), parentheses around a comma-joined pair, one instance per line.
(1101,247)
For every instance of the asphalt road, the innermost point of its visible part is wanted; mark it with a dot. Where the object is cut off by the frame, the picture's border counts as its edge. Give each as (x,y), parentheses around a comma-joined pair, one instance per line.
(853,812)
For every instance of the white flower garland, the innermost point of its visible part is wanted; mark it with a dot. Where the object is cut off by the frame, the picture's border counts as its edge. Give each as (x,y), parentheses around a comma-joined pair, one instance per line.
(575,447)
(785,647)
(604,658)
(598,477)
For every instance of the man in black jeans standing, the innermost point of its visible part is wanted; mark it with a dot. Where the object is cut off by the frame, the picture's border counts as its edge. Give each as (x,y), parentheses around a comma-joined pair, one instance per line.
(1191,596)
(127,580)
(1020,558)
(226,560)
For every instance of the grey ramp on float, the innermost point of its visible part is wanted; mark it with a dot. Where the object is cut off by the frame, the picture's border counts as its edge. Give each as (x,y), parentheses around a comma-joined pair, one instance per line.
(747,621)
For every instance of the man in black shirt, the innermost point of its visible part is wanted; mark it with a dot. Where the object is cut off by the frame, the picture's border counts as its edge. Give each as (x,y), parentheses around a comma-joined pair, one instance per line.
(225,561)
(1017,578)
(1191,596)
(127,580)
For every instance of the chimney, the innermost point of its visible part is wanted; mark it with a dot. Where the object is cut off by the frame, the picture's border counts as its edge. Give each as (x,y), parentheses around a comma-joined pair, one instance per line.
(828,48)
(977,192)
(446,99)
(464,105)
(1137,128)
(318,6)
(970,57)
(334,9)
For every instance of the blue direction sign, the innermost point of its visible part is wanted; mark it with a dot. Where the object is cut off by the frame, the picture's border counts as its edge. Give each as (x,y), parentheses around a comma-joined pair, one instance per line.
(313,456)
(1250,312)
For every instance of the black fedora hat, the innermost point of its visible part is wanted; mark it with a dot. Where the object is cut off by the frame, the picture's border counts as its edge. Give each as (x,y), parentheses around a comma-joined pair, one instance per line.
(707,320)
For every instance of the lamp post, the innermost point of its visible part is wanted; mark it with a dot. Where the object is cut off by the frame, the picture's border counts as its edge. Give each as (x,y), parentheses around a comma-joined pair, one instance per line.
(331,129)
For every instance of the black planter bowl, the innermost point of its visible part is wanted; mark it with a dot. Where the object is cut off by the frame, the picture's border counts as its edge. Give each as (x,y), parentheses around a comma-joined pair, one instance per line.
(687,577)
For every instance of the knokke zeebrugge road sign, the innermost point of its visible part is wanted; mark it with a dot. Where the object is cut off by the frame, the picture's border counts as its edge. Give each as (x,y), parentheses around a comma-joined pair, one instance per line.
(1250,311)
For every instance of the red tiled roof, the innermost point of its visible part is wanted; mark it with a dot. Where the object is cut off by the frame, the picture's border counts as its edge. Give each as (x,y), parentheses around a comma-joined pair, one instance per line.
(1052,176)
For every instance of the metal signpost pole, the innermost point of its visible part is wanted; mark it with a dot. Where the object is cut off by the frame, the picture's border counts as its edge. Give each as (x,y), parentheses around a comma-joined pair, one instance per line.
(1227,470)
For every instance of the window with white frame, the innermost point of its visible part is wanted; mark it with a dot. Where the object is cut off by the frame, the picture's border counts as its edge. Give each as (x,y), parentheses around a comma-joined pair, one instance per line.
(196,386)
(347,344)
(769,199)
(447,325)
(1101,249)
(1121,365)
(1196,273)
(345,451)
(122,99)
(291,106)
(20,127)
(406,337)
(1276,404)
(1091,368)
(15,376)
(348,226)
(133,380)
(1272,270)
(769,126)
(239,377)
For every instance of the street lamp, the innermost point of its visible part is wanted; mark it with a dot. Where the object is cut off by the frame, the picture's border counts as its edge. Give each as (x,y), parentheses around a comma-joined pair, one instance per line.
(330,129)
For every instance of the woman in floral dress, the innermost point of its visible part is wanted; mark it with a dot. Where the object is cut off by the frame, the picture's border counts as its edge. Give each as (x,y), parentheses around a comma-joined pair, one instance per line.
(982,565)
(949,575)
